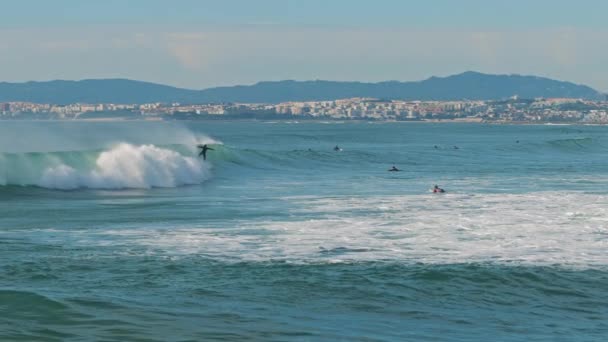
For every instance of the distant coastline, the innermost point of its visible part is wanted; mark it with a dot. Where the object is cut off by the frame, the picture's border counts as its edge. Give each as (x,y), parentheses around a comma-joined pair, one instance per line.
(324,121)
(512,110)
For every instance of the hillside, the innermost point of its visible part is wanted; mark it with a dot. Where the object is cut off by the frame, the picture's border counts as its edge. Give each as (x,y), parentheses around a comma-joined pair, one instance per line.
(468,85)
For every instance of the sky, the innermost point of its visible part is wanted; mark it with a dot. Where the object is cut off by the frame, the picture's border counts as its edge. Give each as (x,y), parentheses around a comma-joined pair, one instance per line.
(199,43)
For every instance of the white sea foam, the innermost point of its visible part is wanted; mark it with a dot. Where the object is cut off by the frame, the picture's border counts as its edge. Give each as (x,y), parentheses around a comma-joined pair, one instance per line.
(122,166)
(105,155)
(129,166)
(538,229)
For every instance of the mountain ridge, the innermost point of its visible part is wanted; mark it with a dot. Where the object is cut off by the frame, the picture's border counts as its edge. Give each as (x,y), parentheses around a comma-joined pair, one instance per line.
(469,85)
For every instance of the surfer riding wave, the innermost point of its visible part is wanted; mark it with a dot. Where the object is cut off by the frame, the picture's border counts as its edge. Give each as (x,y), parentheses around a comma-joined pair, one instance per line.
(204,148)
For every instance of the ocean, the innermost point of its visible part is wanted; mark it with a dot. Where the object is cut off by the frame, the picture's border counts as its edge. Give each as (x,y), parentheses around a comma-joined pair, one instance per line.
(118,231)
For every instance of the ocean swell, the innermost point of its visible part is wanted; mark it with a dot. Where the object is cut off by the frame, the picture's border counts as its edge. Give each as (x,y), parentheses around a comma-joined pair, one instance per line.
(122,166)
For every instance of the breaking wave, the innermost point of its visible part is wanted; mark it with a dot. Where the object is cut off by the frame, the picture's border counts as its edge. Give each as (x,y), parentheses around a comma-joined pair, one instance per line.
(121,166)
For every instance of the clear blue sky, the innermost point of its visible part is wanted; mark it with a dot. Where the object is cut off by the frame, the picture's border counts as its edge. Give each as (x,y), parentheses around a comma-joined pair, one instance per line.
(199,43)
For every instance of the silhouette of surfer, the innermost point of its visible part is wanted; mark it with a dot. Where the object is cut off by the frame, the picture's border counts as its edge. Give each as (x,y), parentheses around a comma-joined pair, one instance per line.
(204,149)
(337,148)
(394,168)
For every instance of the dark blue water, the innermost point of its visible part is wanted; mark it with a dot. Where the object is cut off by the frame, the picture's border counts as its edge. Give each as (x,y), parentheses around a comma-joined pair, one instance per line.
(118,232)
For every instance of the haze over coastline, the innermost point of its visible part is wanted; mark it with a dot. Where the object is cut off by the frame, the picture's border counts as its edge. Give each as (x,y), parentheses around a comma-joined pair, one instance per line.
(468,85)
(198,44)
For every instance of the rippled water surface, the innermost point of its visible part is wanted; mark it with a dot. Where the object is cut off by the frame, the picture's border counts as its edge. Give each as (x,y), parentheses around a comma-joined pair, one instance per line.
(118,231)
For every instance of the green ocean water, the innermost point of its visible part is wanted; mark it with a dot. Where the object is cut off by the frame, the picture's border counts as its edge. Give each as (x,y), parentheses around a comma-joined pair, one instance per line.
(118,231)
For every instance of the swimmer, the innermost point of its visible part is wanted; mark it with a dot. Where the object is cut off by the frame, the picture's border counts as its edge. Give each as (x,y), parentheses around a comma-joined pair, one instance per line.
(437,189)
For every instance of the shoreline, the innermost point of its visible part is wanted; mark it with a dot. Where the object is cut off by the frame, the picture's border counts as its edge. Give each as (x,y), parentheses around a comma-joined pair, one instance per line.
(324,121)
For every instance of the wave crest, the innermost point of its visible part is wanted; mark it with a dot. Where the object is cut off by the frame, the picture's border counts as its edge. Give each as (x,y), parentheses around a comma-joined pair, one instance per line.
(123,166)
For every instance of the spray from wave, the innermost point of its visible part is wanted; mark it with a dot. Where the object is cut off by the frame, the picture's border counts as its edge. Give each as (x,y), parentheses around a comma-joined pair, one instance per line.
(128,166)
(25,137)
(108,156)
(122,166)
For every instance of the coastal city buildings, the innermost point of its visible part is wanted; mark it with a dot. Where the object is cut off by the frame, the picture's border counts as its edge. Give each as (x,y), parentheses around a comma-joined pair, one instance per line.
(509,110)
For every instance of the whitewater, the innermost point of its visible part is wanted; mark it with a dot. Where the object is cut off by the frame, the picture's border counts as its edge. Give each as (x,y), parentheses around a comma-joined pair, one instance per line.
(106,162)
(119,231)
(122,166)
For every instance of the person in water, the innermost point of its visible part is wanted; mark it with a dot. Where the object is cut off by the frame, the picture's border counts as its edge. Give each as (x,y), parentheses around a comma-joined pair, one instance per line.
(204,149)
(394,168)
(337,148)
(437,189)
